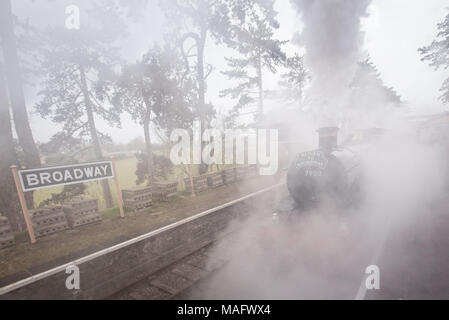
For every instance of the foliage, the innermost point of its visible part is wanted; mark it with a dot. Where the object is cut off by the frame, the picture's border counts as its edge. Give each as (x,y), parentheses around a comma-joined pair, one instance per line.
(161,169)
(67,193)
(157,87)
(66,55)
(239,24)
(156,90)
(252,35)
(292,82)
(195,17)
(437,53)
(294,79)
(191,23)
(133,145)
(368,90)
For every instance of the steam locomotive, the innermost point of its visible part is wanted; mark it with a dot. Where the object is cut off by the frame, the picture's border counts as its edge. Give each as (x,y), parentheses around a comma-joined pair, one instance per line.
(329,173)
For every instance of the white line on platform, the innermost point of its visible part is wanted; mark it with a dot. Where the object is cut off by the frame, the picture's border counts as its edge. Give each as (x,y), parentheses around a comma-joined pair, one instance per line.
(50,272)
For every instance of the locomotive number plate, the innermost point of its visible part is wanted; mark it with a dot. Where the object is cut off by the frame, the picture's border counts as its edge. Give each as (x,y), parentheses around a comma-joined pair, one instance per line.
(314,159)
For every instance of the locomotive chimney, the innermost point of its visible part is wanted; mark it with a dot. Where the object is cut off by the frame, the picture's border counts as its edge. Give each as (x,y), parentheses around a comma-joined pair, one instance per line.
(328,138)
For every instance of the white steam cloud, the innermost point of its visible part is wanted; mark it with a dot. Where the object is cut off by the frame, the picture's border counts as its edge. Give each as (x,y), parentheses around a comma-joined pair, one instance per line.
(323,253)
(333,39)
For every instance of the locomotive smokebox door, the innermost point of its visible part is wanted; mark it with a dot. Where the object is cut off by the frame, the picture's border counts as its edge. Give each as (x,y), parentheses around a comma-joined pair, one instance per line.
(318,174)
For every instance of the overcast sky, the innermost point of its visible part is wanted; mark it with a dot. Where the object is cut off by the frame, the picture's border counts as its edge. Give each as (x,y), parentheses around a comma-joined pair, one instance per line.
(394,31)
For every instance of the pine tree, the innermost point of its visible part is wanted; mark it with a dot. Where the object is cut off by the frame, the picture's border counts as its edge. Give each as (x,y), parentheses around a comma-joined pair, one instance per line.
(368,90)
(437,53)
(252,27)
(292,82)
(13,76)
(203,18)
(78,69)
(157,92)
(9,202)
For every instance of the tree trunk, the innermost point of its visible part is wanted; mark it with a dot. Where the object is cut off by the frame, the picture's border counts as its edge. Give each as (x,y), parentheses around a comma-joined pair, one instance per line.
(260,100)
(17,98)
(93,134)
(148,146)
(201,80)
(200,41)
(260,85)
(9,201)
(202,88)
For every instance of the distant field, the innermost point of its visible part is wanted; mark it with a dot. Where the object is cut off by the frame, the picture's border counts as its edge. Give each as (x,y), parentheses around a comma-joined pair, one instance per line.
(126,176)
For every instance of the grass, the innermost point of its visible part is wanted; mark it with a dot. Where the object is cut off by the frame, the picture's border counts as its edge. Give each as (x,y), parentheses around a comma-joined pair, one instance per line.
(126,177)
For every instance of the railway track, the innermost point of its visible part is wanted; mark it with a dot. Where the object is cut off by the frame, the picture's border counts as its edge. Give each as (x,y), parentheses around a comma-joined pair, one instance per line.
(410,254)
(175,280)
(181,260)
(204,274)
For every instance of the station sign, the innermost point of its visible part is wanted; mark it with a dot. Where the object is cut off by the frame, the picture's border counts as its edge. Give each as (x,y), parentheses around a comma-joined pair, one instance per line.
(34,179)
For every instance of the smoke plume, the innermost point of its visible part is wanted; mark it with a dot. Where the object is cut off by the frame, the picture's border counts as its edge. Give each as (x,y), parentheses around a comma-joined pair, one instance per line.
(333,39)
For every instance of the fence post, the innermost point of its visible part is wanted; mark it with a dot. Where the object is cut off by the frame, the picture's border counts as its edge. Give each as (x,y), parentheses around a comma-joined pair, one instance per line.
(23,203)
(191,181)
(117,188)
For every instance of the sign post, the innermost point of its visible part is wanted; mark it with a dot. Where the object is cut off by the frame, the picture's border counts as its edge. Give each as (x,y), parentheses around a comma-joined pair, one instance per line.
(117,188)
(23,203)
(39,178)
